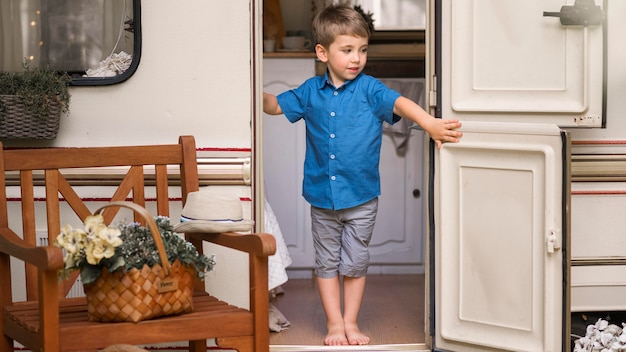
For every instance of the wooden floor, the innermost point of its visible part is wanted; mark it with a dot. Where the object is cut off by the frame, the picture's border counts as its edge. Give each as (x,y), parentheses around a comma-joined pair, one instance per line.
(392,311)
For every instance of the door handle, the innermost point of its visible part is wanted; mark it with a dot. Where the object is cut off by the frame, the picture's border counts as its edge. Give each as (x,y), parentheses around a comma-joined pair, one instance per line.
(582,13)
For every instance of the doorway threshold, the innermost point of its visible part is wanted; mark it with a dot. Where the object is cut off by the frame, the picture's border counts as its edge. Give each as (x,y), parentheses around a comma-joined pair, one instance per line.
(411,347)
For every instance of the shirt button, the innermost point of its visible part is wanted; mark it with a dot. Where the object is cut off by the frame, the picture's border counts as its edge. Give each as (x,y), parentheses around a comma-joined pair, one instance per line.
(333,178)
(335,93)
(332,135)
(332,113)
(332,156)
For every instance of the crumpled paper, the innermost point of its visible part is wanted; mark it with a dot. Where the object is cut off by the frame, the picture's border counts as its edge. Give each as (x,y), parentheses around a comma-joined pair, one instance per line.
(115,64)
(602,337)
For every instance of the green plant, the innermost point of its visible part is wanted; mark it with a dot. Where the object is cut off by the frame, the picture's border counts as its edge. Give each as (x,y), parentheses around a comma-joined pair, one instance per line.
(130,246)
(368,17)
(37,88)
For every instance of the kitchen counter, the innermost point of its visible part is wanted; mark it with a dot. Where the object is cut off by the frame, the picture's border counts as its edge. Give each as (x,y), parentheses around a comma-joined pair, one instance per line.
(290,55)
(383,60)
(375,51)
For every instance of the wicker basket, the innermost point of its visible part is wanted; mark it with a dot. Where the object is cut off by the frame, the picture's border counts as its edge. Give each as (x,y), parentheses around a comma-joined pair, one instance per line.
(18,122)
(151,292)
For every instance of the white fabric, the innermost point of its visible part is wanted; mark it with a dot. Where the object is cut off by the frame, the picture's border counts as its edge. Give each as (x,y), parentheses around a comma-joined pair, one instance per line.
(400,132)
(278,322)
(115,64)
(281,260)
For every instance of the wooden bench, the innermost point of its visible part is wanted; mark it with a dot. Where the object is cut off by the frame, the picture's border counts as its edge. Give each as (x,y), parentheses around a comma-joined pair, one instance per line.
(48,321)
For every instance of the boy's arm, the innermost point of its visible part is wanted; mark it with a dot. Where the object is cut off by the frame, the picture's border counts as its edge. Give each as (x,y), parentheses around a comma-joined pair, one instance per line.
(270,104)
(439,130)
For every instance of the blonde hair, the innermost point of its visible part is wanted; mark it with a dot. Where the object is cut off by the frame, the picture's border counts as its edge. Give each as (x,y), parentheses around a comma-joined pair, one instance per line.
(335,20)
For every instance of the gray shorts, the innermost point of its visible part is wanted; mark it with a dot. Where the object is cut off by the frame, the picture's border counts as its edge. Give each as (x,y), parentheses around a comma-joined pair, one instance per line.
(341,239)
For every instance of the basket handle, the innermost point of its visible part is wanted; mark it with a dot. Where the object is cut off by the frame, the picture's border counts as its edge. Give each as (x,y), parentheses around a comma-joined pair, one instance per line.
(154,230)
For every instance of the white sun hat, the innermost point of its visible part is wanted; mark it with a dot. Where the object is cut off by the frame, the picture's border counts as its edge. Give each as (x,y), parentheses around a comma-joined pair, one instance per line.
(212,213)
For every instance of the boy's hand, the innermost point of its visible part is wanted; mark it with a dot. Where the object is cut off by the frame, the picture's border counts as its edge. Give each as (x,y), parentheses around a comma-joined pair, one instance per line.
(441,131)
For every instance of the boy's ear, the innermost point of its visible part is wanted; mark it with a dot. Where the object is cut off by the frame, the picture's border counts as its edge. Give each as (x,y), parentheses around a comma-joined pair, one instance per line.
(321,52)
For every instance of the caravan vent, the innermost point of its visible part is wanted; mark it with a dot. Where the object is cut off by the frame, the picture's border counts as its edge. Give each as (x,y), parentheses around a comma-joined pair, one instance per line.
(77,288)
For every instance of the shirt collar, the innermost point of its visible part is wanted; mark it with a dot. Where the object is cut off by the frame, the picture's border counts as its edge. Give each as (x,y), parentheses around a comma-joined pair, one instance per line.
(347,84)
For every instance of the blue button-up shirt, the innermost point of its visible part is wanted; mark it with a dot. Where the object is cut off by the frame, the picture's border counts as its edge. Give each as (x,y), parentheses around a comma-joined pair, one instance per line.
(343,137)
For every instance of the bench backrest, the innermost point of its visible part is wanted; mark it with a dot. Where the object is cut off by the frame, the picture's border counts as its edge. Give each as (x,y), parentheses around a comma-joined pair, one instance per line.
(49,176)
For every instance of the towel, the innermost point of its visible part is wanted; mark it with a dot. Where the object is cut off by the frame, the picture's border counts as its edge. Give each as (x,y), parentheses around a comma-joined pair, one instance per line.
(400,132)
(278,322)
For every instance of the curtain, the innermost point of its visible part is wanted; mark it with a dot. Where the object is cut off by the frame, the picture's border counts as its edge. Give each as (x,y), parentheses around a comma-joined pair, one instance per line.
(20,36)
(68,34)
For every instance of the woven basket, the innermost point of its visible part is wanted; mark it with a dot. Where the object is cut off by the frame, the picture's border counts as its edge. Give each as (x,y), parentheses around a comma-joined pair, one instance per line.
(138,295)
(18,122)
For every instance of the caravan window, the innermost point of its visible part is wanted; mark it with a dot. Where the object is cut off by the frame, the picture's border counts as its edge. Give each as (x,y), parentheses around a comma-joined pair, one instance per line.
(96,41)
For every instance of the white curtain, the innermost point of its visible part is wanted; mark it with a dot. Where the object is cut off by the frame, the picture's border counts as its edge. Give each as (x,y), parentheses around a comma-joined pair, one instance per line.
(101,22)
(20,36)
(396,14)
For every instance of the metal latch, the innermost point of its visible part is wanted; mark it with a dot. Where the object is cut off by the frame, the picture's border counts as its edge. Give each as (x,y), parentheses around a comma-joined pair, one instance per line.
(582,13)
(553,241)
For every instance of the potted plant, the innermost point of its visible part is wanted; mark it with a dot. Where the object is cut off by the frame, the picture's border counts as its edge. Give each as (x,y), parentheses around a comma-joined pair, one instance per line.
(32,101)
(123,267)
(123,248)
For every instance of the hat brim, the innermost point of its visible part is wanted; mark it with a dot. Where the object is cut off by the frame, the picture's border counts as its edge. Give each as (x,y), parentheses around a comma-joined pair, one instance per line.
(208,226)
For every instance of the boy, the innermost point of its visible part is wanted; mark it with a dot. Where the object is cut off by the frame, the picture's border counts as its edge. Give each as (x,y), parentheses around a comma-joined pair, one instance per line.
(344,111)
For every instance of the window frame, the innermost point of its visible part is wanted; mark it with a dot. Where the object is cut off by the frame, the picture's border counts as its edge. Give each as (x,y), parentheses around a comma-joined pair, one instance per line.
(137,44)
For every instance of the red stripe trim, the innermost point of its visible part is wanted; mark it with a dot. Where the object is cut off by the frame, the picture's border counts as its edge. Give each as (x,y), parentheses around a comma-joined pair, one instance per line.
(617,142)
(200,149)
(104,199)
(588,193)
(209,149)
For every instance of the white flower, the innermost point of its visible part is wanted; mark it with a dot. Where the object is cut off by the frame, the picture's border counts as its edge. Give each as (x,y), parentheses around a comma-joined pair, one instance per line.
(96,242)
(602,337)
(606,339)
(92,222)
(602,324)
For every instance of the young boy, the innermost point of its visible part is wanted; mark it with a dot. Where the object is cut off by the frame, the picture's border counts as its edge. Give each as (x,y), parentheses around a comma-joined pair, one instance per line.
(344,111)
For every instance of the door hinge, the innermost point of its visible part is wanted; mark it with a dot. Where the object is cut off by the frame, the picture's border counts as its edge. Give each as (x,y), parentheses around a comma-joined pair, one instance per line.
(432,94)
(553,241)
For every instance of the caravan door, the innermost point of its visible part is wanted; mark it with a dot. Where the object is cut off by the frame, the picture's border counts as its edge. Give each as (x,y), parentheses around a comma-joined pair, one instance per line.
(515,73)
(499,254)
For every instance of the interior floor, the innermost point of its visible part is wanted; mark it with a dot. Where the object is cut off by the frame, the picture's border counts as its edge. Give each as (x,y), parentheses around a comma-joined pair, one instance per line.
(392,311)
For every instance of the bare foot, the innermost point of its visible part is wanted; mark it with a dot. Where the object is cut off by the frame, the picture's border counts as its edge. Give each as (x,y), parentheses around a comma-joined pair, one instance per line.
(336,336)
(355,336)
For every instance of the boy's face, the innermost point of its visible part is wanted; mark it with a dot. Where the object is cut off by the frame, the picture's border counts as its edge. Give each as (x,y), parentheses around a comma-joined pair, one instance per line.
(345,57)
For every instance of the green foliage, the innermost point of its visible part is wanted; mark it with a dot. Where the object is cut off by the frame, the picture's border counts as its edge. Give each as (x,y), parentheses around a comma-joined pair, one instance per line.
(138,248)
(368,17)
(37,88)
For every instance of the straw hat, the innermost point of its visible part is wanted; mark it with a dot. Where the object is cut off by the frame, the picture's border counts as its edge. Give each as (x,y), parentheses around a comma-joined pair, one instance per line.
(211,213)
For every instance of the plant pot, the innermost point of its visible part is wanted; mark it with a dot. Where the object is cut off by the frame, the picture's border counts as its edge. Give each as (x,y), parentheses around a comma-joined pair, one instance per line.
(18,122)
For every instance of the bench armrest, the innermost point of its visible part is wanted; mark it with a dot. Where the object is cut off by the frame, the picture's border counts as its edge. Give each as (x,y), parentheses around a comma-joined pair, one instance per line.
(44,258)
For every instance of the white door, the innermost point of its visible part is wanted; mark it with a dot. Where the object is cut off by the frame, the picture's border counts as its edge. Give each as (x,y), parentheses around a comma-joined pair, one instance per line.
(503,60)
(498,254)
(500,263)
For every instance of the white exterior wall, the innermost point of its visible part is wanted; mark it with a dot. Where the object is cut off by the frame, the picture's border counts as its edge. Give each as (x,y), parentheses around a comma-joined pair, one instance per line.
(193,78)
